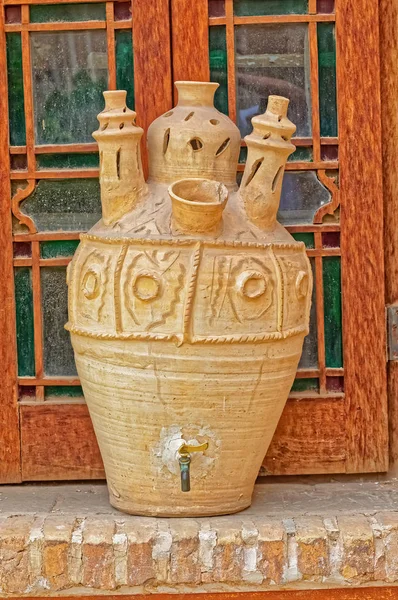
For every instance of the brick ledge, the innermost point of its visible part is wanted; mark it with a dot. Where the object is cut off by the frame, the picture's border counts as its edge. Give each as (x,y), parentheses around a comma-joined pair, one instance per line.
(67,539)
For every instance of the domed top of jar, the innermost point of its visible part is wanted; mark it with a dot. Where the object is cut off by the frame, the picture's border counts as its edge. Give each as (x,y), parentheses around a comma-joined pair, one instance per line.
(194,139)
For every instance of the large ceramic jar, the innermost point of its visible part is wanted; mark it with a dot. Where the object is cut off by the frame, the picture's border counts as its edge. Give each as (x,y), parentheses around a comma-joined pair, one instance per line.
(188,306)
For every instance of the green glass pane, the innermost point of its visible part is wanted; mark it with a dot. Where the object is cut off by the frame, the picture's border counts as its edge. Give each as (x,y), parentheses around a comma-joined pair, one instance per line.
(125,65)
(301,154)
(272,59)
(243,155)
(69,72)
(72,391)
(305,385)
(309,356)
(332,308)
(327,79)
(244,8)
(218,66)
(64,204)
(67,161)
(58,248)
(57,349)
(24,321)
(307,238)
(48,13)
(15,90)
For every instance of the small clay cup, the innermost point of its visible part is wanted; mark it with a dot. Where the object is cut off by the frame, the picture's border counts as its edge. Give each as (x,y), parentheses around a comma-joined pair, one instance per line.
(198,204)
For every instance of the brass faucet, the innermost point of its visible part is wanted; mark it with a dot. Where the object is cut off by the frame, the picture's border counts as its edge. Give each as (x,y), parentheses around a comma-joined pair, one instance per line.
(184,460)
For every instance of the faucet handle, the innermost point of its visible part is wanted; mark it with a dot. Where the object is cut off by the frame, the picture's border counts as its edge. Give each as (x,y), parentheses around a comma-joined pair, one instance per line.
(187,449)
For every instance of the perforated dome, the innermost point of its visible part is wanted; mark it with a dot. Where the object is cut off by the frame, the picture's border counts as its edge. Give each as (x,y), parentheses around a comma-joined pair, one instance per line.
(194,139)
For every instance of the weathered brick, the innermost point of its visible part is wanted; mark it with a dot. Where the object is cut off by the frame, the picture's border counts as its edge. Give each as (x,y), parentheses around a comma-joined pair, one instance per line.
(251,572)
(97,553)
(141,534)
(184,556)
(57,538)
(358,548)
(312,548)
(14,554)
(228,552)
(161,551)
(389,530)
(272,550)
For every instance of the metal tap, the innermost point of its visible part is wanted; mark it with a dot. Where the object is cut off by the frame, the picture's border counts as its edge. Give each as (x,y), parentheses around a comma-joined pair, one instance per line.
(184,460)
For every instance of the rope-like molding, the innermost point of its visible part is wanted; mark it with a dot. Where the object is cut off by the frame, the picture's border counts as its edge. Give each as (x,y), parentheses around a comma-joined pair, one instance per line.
(22,194)
(210,339)
(191,242)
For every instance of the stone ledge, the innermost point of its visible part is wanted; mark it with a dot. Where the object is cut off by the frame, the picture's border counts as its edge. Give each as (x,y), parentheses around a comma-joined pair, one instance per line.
(67,538)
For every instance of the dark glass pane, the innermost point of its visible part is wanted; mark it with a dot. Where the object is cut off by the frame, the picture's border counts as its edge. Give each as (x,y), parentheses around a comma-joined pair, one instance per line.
(70,391)
(302,195)
(13,14)
(335,384)
(64,204)
(16,105)
(67,161)
(243,155)
(327,79)
(330,152)
(70,71)
(57,248)
(307,238)
(273,59)
(309,357)
(122,11)
(26,392)
(24,321)
(47,13)
(325,6)
(332,303)
(331,239)
(57,348)
(22,249)
(305,385)
(216,8)
(301,154)
(125,65)
(218,66)
(18,162)
(269,7)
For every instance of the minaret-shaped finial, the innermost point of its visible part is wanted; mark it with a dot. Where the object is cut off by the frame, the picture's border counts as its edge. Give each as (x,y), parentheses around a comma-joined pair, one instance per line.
(268,146)
(121,176)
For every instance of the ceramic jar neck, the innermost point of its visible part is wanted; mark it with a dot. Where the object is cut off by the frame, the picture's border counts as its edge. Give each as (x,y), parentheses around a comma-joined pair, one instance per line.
(196,93)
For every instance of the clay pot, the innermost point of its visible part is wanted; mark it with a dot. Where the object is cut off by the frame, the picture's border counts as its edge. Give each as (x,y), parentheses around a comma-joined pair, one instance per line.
(187,316)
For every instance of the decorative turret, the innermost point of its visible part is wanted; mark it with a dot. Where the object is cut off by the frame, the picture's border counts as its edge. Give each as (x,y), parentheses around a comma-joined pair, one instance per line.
(194,139)
(268,149)
(121,177)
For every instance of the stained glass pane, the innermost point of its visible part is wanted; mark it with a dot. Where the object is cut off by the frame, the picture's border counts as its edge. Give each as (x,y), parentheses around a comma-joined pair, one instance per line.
(24,321)
(327,79)
(57,248)
(325,6)
(125,65)
(67,161)
(64,204)
(122,11)
(269,7)
(216,8)
(305,385)
(273,59)
(47,13)
(218,66)
(22,249)
(302,195)
(69,391)
(331,239)
(301,154)
(332,303)
(57,348)
(335,384)
(12,14)
(307,238)
(15,90)
(18,162)
(309,357)
(330,152)
(69,71)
